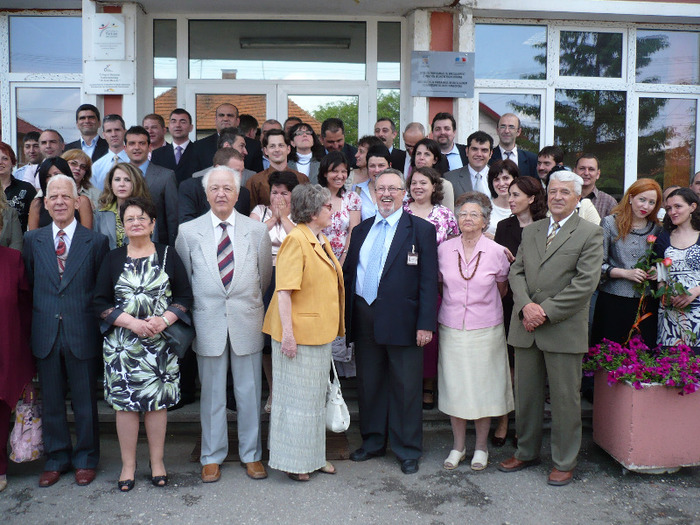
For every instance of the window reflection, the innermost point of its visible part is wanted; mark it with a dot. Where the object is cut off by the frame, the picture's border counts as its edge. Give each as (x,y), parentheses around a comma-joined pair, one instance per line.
(41,108)
(273,50)
(164,101)
(667,140)
(590,54)
(668,57)
(389,106)
(510,51)
(321,107)
(255,105)
(388,51)
(46,44)
(164,49)
(588,121)
(525,105)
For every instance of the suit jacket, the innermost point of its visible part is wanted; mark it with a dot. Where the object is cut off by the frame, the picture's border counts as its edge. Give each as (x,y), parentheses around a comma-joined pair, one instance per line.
(407,295)
(163,189)
(561,279)
(315,278)
(101,148)
(204,150)
(253,160)
(165,157)
(462,148)
(236,313)
(106,223)
(192,200)
(461,180)
(398,158)
(527,162)
(313,169)
(350,152)
(69,299)
(259,186)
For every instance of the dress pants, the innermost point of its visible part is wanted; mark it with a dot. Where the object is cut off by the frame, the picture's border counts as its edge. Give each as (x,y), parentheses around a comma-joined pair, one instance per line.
(532,366)
(389,388)
(5,411)
(56,371)
(247,389)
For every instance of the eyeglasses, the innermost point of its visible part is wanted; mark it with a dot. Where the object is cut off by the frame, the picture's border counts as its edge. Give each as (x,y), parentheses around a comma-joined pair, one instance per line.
(328,206)
(76,164)
(391,189)
(469,214)
(301,132)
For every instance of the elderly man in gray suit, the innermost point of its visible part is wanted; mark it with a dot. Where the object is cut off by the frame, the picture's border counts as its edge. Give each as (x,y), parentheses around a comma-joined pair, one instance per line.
(62,261)
(554,275)
(161,182)
(228,259)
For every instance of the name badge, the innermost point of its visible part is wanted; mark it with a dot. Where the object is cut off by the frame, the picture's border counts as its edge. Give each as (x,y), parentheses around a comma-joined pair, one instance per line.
(412,259)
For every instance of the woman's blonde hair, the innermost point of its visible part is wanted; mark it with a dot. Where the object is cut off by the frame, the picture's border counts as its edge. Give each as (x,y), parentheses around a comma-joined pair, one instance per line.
(80,155)
(107,198)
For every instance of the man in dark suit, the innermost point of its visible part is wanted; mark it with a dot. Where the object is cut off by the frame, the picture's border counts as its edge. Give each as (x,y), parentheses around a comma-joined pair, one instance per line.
(554,275)
(62,261)
(204,149)
(160,181)
(508,130)
(385,130)
(179,155)
(87,119)
(333,139)
(444,128)
(474,174)
(391,301)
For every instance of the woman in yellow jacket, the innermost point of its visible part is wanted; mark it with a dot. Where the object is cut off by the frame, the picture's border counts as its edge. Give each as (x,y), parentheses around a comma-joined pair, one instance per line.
(305,315)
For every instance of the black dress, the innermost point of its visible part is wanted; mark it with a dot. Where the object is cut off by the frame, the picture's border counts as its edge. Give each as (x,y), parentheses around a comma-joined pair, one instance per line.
(509,234)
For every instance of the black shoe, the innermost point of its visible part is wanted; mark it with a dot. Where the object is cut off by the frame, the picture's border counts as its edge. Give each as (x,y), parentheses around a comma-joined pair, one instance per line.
(159,481)
(409,466)
(126,485)
(429,405)
(362,455)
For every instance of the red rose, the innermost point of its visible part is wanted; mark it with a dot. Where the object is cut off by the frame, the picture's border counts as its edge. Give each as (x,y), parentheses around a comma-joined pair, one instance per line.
(668,262)
(651,239)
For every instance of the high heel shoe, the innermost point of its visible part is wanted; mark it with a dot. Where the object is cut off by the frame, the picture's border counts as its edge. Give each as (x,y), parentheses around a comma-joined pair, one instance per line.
(127,484)
(158,481)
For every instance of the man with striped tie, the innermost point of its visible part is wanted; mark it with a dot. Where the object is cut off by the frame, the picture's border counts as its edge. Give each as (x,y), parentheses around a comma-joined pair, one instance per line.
(228,261)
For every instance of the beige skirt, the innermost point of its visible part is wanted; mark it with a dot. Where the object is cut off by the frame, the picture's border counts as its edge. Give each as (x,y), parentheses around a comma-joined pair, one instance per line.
(473,373)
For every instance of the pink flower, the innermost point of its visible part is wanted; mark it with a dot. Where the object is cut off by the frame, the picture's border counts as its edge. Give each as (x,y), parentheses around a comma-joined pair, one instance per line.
(651,239)
(668,262)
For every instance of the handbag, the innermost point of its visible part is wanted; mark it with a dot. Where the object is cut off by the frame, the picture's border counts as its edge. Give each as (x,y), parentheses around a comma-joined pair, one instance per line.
(26,438)
(337,414)
(178,335)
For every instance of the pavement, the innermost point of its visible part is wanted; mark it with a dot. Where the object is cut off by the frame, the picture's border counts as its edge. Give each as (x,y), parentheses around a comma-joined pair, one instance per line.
(372,492)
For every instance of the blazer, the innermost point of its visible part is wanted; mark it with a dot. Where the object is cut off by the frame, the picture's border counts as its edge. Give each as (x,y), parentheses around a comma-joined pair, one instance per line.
(462,148)
(101,148)
(11,234)
(192,200)
(350,152)
(67,300)
(561,279)
(407,295)
(203,152)
(313,169)
(163,189)
(527,162)
(236,313)
(461,180)
(106,223)
(314,276)
(165,157)
(398,158)
(253,160)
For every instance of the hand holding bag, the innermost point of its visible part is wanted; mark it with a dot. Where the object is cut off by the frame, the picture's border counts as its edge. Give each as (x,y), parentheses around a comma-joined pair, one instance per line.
(179,335)
(26,438)
(337,414)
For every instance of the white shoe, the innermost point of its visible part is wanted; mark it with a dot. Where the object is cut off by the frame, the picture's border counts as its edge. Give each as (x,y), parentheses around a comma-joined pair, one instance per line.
(480,460)
(454,458)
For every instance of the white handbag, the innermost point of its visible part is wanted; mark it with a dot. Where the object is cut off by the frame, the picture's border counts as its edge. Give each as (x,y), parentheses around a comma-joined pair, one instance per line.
(337,414)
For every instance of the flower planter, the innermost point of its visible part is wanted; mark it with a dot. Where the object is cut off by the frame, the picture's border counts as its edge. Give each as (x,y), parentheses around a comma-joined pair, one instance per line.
(653,430)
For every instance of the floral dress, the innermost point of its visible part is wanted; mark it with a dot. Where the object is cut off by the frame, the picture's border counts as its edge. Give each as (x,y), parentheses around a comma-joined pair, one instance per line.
(140,374)
(337,232)
(442,218)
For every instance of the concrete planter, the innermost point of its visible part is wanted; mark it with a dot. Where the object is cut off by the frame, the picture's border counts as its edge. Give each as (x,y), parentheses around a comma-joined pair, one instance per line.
(653,430)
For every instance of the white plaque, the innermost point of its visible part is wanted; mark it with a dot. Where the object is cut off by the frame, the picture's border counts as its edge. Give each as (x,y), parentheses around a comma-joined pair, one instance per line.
(442,74)
(109,78)
(109,37)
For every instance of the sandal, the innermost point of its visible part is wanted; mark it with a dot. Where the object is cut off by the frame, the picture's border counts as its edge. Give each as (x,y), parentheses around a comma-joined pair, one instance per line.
(480,460)
(328,468)
(298,477)
(125,485)
(454,458)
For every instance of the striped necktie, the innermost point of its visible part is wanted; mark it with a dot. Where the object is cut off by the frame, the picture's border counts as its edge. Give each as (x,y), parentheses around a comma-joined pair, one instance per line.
(61,252)
(224,256)
(552,234)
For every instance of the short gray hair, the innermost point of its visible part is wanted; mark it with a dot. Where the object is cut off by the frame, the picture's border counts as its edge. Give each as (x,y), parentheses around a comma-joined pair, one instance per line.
(307,201)
(61,176)
(568,176)
(395,172)
(476,197)
(225,169)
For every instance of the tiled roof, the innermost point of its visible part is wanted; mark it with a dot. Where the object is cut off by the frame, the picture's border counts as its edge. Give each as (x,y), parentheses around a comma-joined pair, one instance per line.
(250,104)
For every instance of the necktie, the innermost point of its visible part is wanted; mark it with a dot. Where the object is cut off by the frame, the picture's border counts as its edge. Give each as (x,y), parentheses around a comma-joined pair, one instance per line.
(224,256)
(371,282)
(480,184)
(115,160)
(552,234)
(178,154)
(61,253)
(509,154)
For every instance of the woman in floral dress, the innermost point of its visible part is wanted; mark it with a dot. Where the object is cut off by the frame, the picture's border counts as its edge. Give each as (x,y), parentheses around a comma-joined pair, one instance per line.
(142,288)
(425,194)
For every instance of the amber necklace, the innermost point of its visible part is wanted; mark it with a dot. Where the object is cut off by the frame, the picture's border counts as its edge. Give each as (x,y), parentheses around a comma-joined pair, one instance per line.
(459,265)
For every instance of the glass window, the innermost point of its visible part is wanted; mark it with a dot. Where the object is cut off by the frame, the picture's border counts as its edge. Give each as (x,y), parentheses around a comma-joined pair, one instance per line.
(389,106)
(274,50)
(525,105)
(667,140)
(668,57)
(511,51)
(588,121)
(39,108)
(255,105)
(46,44)
(164,49)
(164,101)
(388,51)
(590,54)
(320,107)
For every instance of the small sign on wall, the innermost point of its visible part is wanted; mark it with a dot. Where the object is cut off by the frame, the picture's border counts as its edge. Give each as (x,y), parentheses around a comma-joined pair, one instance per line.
(109,37)
(442,74)
(109,78)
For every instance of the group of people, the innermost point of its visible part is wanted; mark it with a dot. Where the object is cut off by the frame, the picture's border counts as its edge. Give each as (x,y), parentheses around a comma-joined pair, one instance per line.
(413,270)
